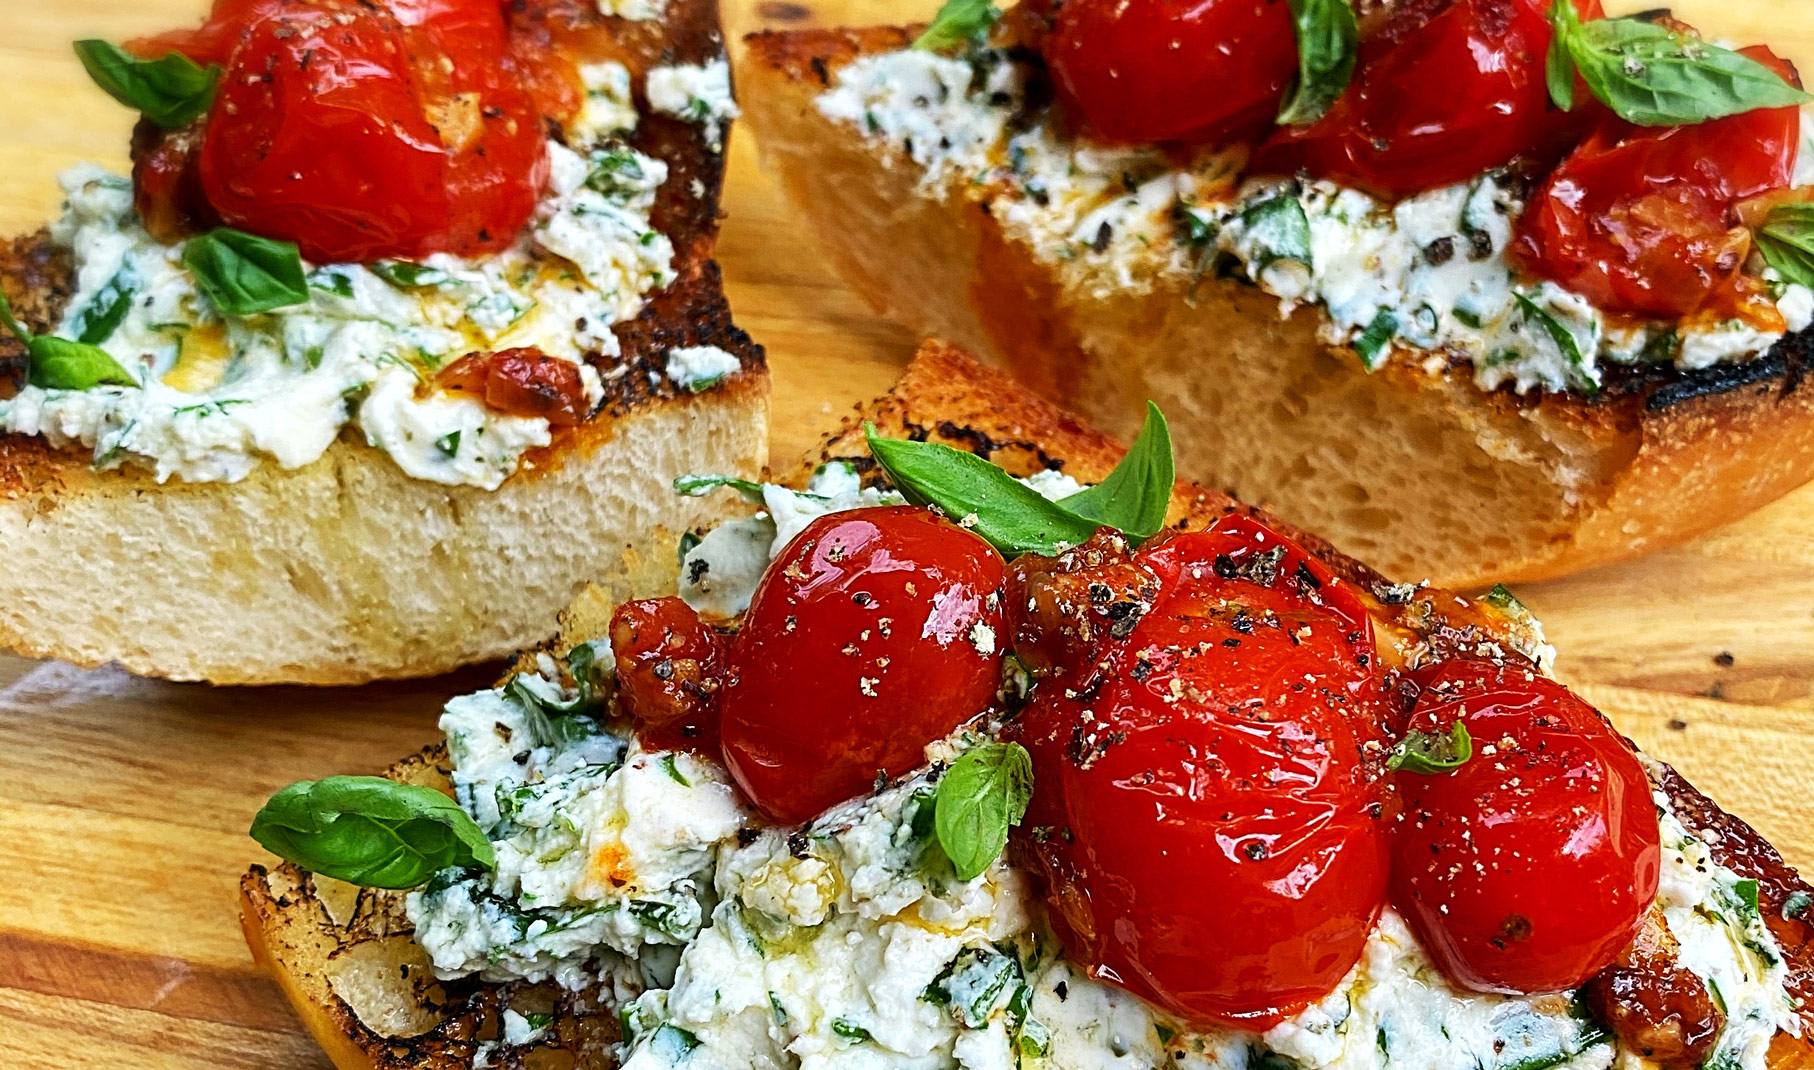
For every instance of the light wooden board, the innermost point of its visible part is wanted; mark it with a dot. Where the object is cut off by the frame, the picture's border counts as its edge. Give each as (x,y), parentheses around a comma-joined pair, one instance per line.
(123,802)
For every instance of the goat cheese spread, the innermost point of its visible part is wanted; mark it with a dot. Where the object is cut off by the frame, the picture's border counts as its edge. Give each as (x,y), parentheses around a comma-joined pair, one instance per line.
(698,93)
(850,942)
(1419,281)
(220,394)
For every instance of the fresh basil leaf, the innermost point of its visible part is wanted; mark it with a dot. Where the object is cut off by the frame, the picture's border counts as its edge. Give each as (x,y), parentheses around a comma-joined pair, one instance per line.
(244,274)
(1432,752)
(1013,517)
(958,22)
(1279,229)
(1651,75)
(406,275)
(697,486)
(329,280)
(1376,338)
(849,1030)
(1559,334)
(1136,495)
(370,831)
(104,313)
(60,364)
(1787,241)
(982,796)
(169,91)
(1328,42)
(591,664)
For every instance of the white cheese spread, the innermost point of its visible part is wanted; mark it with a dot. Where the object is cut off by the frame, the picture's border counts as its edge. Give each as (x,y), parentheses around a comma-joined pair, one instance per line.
(1416,281)
(698,93)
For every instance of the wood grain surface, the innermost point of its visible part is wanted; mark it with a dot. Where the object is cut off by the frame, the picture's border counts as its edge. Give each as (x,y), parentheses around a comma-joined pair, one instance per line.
(124,802)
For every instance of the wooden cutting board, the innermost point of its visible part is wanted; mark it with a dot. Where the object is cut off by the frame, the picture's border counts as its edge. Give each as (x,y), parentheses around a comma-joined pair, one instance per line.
(124,802)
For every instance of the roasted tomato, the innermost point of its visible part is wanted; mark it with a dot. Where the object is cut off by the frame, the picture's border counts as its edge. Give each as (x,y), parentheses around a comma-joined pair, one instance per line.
(1062,608)
(1657,1007)
(521,382)
(1158,70)
(1642,220)
(1207,821)
(1442,92)
(362,130)
(1529,867)
(874,633)
(669,670)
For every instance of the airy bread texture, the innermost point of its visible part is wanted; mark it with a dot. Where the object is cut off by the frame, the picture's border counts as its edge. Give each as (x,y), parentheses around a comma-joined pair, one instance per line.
(1419,475)
(348,570)
(343,955)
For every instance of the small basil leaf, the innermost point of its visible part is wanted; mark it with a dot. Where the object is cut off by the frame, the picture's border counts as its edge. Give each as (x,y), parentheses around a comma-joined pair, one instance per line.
(244,274)
(1432,752)
(106,310)
(1136,495)
(1563,337)
(169,91)
(1651,75)
(1328,41)
(697,486)
(406,275)
(982,796)
(958,22)
(370,831)
(60,364)
(1787,241)
(1376,338)
(1013,517)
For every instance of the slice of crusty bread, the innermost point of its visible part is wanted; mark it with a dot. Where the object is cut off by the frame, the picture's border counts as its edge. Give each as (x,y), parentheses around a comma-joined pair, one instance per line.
(1416,474)
(347,569)
(343,955)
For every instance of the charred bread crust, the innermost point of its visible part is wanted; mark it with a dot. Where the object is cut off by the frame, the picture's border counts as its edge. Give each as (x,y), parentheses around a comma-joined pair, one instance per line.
(690,311)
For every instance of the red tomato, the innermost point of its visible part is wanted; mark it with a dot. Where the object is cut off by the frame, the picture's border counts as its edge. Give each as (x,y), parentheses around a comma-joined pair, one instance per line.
(521,382)
(1168,70)
(872,635)
(1440,95)
(363,131)
(1530,867)
(1641,220)
(1209,832)
(669,670)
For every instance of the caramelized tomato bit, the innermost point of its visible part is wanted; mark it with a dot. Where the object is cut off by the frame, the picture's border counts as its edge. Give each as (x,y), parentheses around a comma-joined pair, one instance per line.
(1207,824)
(1658,1008)
(1060,609)
(167,182)
(874,633)
(521,382)
(1530,867)
(669,672)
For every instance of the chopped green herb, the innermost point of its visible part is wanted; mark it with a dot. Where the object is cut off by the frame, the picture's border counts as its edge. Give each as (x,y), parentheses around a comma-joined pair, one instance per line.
(957,23)
(1429,753)
(1373,341)
(449,444)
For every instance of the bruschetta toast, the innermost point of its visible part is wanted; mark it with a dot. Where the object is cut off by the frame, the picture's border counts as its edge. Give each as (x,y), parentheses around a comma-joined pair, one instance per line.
(270,415)
(944,915)
(1411,367)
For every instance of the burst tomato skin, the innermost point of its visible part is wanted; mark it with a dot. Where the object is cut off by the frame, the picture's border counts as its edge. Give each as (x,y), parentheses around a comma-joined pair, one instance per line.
(521,382)
(1157,70)
(1530,867)
(1206,825)
(873,634)
(1641,220)
(363,131)
(1440,94)
(669,671)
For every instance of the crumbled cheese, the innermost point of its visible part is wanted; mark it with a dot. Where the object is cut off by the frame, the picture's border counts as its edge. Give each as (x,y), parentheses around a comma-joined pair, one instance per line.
(608,108)
(697,368)
(697,93)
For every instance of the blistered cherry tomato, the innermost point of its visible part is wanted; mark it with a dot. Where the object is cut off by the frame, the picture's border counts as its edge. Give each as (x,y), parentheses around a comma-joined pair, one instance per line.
(669,671)
(1169,70)
(1528,868)
(521,382)
(874,633)
(1641,220)
(1206,822)
(364,130)
(1441,93)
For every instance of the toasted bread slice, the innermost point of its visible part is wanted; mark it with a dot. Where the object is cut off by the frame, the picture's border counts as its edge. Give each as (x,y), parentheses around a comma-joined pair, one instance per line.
(1417,473)
(343,955)
(347,569)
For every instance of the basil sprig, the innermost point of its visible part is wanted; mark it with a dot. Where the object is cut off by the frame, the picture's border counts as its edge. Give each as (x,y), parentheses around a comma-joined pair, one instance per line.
(244,274)
(1328,42)
(60,364)
(1786,240)
(958,22)
(170,91)
(1016,519)
(982,796)
(370,831)
(1432,752)
(1652,75)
